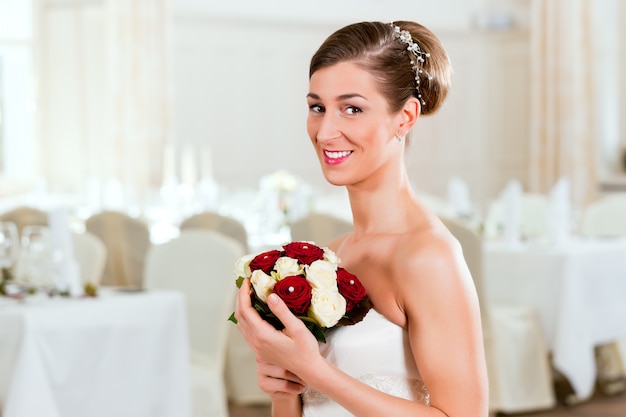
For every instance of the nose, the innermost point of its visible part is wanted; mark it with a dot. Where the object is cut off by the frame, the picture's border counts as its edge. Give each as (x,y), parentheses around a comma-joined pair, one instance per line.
(328,128)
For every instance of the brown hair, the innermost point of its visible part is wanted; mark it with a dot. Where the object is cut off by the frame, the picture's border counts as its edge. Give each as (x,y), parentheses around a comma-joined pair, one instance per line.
(375,47)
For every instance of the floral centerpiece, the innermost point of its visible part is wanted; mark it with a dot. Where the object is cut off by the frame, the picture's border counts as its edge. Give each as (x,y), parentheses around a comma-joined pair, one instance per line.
(310,281)
(20,290)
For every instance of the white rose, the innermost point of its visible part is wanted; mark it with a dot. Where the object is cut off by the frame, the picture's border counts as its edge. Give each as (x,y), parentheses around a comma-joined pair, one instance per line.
(263,284)
(327,306)
(331,257)
(286,266)
(322,274)
(242,266)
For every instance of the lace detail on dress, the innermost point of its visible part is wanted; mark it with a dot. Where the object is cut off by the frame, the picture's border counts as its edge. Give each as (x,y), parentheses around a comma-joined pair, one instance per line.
(410,389)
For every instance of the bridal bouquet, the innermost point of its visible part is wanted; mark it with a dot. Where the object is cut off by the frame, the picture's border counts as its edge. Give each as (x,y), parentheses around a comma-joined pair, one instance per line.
(310,281)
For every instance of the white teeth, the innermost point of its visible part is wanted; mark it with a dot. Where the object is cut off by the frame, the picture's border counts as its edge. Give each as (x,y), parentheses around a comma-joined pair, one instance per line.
(335,155)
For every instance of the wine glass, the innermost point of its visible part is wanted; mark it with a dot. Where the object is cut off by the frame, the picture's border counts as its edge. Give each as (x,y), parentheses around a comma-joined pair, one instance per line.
(36,258)
(9,245)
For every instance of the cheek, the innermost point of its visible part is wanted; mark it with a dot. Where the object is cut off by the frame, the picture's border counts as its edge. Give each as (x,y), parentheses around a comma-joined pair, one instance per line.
(311,128)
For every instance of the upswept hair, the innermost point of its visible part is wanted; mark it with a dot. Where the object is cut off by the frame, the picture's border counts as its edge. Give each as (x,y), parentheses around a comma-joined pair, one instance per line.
(375,47)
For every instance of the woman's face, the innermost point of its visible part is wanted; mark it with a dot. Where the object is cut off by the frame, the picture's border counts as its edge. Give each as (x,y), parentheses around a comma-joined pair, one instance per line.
(349,124)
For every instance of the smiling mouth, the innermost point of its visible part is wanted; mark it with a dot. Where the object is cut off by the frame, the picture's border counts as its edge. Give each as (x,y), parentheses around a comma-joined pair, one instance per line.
(336,157)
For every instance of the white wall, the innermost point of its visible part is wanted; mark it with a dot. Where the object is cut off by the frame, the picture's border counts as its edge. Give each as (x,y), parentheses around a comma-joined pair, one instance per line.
(240,81)
(443,14)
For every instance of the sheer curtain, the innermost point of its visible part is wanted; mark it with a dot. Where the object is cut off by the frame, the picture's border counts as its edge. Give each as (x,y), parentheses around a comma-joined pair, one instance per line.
(563,97)
(103,93)
(139,80)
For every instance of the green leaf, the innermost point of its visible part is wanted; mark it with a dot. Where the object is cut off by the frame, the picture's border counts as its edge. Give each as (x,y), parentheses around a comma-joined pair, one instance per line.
(307,319)
(239,281)
(316,329)
(232,318)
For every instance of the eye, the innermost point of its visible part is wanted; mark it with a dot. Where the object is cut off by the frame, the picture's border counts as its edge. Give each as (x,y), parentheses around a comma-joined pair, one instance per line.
(316,108)
(352,110)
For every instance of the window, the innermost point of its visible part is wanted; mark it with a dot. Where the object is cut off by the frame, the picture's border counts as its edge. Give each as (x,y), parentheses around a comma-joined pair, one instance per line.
(17,91)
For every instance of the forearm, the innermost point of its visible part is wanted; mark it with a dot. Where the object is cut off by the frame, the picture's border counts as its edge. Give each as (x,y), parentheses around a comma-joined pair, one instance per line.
(360,399)
(287,407)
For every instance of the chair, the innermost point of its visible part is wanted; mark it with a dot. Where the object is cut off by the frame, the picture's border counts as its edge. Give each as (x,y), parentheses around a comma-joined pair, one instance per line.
(91,255)
(200,263)
(241,378)
(25,216)
(605,217)
(534,216)
(127,242)
(518,365)
(321,228)
(223,224)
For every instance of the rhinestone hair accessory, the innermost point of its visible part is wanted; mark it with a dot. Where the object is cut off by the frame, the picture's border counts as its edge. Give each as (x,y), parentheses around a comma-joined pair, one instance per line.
(418,57)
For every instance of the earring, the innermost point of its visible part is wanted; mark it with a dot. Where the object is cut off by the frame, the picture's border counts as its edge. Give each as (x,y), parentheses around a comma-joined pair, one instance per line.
(399,136)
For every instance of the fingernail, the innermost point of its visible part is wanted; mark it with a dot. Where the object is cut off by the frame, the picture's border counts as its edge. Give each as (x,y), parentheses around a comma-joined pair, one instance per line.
(272,298)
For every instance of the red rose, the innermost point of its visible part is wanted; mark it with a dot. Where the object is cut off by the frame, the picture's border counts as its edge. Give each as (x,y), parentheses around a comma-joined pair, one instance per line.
(295,291)
(306,253)
(350,288)
(265,261)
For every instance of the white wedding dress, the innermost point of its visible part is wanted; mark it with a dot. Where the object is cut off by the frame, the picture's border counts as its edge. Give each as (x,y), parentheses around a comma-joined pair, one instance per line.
(376,352)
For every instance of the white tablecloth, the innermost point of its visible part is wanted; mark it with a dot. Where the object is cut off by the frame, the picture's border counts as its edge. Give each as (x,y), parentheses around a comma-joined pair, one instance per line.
(578,290)
(119,354)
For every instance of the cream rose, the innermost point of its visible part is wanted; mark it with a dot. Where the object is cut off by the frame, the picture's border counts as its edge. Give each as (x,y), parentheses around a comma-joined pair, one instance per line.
(286,266)
(331,257)
(327,306)
(322,274)
(242,266)
(263,284)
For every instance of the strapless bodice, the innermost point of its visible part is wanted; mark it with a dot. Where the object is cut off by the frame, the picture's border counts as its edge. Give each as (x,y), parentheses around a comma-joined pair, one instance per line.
(377,353)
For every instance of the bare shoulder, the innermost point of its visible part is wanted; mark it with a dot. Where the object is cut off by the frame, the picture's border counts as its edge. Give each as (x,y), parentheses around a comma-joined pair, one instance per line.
(430,267)
(427,250)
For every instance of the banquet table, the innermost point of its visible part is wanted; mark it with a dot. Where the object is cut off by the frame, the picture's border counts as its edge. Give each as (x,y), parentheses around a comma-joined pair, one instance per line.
(577,288)
(118,354)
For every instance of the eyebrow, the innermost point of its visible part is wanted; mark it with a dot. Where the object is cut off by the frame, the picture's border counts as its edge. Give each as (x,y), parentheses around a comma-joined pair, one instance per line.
(341,97)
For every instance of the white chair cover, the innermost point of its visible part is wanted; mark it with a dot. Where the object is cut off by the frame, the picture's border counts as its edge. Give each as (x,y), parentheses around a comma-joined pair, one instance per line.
(91,255)
(200,263)
(533,211)
(241,378)
(520,377)
(605,217)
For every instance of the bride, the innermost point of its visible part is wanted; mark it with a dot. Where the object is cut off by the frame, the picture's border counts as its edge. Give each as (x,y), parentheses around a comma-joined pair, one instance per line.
(419,352)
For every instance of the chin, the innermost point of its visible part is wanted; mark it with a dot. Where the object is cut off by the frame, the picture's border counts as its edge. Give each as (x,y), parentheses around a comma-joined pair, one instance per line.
(336,183)
(336,180)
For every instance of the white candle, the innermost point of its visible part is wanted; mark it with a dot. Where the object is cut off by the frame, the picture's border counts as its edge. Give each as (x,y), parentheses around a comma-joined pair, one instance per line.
(188,166)
(206,167)
(169,164)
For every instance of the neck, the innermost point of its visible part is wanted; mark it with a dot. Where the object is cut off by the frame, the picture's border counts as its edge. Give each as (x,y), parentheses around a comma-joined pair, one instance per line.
(382,206)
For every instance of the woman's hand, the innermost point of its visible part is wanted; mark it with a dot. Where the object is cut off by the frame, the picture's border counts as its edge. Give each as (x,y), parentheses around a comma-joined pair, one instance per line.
(277,382)
(290,352)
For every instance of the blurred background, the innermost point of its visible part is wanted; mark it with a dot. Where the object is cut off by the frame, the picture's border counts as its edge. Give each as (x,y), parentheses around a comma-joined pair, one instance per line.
(131,121)
(117,103)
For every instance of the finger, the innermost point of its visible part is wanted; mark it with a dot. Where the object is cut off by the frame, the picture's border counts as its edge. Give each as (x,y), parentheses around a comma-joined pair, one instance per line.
(249,321)
(277,372)
(282,312)
(243,301)
(274,386)
(243,295)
